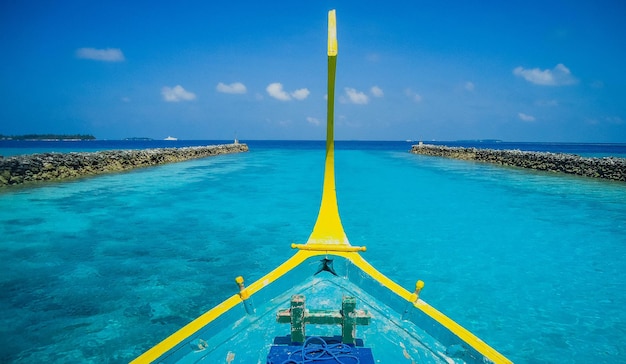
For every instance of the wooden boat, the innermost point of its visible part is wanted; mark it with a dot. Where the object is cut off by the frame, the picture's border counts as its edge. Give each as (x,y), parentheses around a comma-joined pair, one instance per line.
(326,304)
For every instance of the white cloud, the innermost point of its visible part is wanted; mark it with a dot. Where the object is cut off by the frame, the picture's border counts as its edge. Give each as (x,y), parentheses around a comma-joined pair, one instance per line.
(233,88)
(276,91)
(105,55)
(300,94)
(413,95)
(312,120)
(356,97)
(558,76)
(176,94)
(526,117)
(377,91)
(469,86)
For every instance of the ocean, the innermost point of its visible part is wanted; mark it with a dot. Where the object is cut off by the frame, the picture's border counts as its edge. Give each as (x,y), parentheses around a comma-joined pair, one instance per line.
(102,268)
(16,147)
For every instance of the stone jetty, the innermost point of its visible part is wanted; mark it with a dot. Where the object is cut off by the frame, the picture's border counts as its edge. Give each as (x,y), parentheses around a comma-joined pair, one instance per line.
(608,167)
(22,169)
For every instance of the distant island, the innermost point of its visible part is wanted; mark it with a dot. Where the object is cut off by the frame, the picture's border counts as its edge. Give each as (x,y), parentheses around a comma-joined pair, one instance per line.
(48,137)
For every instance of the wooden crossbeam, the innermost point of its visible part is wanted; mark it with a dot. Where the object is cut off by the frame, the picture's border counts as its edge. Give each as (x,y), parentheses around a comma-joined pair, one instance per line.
(348,317)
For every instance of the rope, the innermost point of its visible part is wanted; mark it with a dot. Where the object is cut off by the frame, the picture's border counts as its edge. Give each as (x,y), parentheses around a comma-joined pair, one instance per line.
(311,353)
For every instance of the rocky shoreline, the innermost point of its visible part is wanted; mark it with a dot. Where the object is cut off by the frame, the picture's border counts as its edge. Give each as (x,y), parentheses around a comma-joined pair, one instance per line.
(18,170)
(607,168)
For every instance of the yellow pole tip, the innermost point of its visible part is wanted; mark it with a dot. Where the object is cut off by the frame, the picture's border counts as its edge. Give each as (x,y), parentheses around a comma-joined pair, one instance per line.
(332,33)
(419,285)
(294,245)
(239,280)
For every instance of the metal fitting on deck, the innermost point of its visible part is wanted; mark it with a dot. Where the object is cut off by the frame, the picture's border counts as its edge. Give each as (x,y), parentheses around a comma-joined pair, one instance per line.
(418,287)
(245,295)
(243,292)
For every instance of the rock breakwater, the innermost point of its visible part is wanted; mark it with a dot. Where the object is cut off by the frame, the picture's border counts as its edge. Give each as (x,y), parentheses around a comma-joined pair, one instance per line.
(607,168)
(22,169)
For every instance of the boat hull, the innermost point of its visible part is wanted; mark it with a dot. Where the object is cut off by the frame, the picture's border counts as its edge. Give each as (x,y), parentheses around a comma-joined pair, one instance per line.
(399,330)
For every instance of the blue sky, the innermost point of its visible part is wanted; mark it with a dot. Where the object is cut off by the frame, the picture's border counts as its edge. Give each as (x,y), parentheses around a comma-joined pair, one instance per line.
(421,70)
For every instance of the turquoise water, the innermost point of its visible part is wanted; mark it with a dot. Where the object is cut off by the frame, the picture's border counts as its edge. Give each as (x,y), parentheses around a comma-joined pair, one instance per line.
(101,269)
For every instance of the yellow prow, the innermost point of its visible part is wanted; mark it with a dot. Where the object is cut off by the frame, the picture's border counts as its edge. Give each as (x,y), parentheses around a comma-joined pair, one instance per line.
(328,237)
(328,228)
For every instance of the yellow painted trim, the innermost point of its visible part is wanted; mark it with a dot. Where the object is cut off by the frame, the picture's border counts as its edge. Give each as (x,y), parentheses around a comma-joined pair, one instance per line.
(360,262)
(332,33)
(161,348)
(329,248)
(188,330)
(281,270)
(442,319)
(462,333)
(291,263)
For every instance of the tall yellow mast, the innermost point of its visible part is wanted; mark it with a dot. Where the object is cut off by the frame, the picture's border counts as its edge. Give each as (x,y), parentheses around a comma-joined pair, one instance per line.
(328,228)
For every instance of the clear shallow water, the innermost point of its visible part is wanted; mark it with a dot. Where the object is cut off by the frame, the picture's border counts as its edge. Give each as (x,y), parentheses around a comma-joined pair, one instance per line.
(101,269)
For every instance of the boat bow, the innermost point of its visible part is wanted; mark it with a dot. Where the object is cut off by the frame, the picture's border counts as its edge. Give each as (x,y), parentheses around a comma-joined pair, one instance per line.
(427,329)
